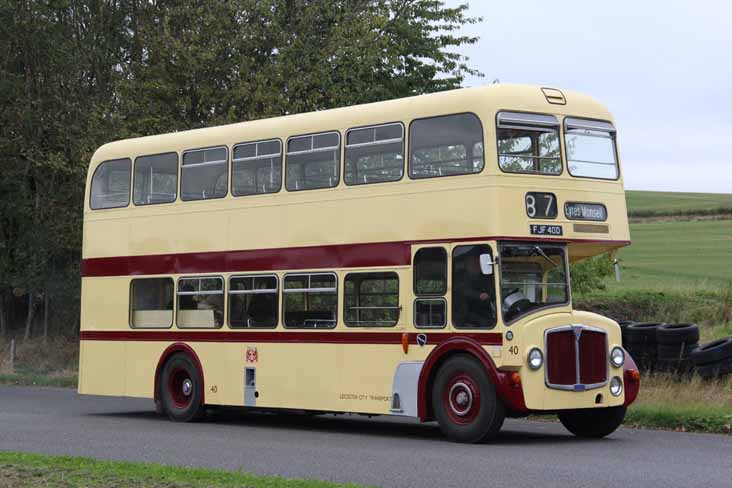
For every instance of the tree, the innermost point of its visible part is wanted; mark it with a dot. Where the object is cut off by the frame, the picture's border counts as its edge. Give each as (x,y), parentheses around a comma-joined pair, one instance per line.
(78,73)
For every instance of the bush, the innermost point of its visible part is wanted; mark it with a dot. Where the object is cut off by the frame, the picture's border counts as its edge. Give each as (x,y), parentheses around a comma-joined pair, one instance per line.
(591,274)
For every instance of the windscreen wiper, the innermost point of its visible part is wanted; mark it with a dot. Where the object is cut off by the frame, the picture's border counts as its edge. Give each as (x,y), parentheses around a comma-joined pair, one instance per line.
(540,251)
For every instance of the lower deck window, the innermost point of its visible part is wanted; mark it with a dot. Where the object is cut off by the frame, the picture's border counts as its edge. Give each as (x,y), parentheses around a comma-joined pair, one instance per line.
(200,302)
(151,303)
(253,301)
(310,300)
(430,312)
(371,299)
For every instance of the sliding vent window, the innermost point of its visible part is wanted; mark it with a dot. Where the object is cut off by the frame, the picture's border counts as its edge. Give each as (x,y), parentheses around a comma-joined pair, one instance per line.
(253,301)
(590,148)
(374,154)
(256,168)
(156,179)
(204,174)
(313,161)
(200,302)
(445,146)
(311,301)
(529,143)
(151,303)
(110,186)
(371,299)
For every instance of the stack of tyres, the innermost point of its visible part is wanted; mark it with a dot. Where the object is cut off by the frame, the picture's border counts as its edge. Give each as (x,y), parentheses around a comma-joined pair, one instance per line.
(675,345)
(640,342)
(623,327)
(713,359)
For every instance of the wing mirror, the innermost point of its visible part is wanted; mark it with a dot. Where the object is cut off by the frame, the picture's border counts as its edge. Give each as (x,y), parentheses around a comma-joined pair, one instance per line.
(486,264)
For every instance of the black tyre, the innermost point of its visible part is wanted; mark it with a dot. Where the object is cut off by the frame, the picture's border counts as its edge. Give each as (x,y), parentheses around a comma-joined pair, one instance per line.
(465,402)
(642,332)
(713,352)
(677,333)
(714,370)
(593,422)
(675,352)
(181,389)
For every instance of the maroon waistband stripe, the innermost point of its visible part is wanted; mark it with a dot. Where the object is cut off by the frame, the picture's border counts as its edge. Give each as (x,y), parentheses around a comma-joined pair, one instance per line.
(315,337)
(311,257)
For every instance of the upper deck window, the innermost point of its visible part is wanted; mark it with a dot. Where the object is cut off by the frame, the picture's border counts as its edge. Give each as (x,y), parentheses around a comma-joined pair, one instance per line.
(110,186)
(374,154)
(590,148)
(445,146)
(256,168)
(528,143)
(156,179)
(313,161)
(204,174)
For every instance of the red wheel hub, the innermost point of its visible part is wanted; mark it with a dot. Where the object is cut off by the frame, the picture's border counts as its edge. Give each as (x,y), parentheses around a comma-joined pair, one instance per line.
(462,399)
(180,388)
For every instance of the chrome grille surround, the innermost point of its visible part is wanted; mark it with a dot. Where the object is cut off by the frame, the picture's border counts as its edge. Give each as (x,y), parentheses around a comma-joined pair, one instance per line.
(577,329)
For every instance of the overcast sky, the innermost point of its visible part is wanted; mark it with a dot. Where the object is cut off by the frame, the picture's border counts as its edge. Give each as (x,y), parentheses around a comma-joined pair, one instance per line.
(664,69)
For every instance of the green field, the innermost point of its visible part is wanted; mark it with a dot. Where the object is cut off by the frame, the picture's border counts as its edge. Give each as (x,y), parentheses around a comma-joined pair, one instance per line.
(683,253)
(647,203)
(678,253)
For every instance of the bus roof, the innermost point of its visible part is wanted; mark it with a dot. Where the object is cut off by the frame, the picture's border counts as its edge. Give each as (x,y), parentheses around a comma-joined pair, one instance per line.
(485,100)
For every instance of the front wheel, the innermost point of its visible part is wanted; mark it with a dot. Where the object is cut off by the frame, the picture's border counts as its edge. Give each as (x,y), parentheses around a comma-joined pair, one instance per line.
(465,402)
(593,422)
(181,389)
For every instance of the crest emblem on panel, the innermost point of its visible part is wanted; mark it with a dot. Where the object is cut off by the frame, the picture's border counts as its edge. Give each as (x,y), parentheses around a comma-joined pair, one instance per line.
(252,356)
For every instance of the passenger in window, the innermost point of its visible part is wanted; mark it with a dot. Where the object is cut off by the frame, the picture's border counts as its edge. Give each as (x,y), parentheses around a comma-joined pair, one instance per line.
(187,302)
(475,293)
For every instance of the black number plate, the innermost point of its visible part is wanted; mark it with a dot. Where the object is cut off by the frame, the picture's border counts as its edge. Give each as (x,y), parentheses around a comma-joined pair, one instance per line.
(545,230)
(541,205)
(585,211)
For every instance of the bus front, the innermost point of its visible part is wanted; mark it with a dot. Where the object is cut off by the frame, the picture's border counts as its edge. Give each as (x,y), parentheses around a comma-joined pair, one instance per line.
(561,174)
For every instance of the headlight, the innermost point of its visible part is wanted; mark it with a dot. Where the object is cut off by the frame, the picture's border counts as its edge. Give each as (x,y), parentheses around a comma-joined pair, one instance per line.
(536,359)
(617,356)
(616,386)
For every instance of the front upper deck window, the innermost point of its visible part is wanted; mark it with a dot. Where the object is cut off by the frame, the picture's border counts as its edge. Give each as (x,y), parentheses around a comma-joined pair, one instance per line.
(590,148)
(204,174)
(528,143)
(447,145)
(533,276)
(110,186)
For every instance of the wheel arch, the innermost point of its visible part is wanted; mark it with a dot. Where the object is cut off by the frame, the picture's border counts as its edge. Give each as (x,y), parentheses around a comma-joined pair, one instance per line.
(511,395)
(169,351)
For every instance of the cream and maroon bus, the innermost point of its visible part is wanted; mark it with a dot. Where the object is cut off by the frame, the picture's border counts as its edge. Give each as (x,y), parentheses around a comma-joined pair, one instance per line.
(408,257)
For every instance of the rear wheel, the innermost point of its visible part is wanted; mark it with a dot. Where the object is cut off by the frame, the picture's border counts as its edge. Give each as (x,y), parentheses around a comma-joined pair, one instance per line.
(593,422)
(181,389)
(465,402)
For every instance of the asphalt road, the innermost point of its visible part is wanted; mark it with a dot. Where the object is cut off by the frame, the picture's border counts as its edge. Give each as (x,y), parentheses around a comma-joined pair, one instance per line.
(379,451)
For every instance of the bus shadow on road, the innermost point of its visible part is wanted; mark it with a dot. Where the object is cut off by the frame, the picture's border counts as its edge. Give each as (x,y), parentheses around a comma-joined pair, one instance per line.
(514,432)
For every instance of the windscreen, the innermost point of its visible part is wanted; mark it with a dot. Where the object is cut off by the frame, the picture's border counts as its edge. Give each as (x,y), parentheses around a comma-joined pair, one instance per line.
(533,276)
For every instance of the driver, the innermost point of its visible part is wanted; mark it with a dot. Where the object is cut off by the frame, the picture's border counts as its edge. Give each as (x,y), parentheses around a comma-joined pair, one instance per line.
(477,292)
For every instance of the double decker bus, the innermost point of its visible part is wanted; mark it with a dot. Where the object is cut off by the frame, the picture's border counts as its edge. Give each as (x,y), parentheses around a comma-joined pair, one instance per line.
(408,257)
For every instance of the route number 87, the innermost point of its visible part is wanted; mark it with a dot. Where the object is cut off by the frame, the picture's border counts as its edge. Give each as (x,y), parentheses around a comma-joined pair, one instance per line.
(541,205)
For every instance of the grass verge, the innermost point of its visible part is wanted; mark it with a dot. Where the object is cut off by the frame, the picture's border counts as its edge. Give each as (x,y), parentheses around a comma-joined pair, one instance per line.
(36,471)
(39,362)
(687,404)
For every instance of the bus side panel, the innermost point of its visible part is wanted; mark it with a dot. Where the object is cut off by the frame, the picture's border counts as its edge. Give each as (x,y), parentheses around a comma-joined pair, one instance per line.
(103,366)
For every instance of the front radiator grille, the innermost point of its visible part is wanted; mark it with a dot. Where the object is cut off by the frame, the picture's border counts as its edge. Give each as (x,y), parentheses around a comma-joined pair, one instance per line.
(576,358)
